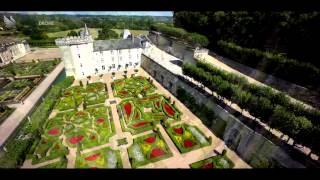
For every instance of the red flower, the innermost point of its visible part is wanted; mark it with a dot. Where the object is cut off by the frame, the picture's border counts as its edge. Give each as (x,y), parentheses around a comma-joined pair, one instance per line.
(168,109)
(76,139)
(158,104)
(80,113)
(92,157)
(123,92)
(127,108)
(156,152)
(178,130)
(140,124)
(100,120)
(150,140)
(188,143)
(208,166)
(54,131)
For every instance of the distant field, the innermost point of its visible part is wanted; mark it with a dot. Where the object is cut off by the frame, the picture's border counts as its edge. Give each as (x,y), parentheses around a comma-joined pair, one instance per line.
(134,32)
(93,31)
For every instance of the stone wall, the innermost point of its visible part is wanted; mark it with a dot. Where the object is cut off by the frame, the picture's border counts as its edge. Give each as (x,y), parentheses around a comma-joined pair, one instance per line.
(252,147)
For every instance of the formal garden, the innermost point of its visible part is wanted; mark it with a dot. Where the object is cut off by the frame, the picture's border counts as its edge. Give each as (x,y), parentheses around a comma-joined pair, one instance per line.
(147,149)
(132,87)
(28,69)
(13,91)
(103,158)
(142,114)
(215,162)
(73,97)
(187,137)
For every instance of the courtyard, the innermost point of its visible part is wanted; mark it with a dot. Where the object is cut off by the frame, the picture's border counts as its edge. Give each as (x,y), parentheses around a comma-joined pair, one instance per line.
(129,122)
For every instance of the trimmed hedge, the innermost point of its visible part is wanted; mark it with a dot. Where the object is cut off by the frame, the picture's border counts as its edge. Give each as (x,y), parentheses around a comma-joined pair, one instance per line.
(180,33)
(18,148)
(291,70)
(298,127)
(261,91)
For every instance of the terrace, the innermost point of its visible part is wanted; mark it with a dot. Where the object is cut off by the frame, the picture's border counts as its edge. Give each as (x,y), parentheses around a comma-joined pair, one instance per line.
(94,125)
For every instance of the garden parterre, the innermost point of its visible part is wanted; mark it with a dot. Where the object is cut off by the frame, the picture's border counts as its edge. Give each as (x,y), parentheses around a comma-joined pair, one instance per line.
(140,114)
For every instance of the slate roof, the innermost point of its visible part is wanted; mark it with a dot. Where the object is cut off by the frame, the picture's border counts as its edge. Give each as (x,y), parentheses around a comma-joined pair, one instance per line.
(115,44)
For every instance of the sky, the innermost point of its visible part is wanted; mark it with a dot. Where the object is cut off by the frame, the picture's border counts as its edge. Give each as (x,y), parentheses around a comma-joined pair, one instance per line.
(128,13)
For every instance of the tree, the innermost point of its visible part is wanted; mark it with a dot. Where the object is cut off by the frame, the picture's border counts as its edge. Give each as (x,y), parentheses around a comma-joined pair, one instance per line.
(107,34)
(73,33)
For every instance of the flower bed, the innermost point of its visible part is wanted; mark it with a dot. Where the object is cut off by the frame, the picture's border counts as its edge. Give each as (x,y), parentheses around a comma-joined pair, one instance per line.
(131,87)
(104,158)
(187,138)
(215,162)
(147,149)
(139,114)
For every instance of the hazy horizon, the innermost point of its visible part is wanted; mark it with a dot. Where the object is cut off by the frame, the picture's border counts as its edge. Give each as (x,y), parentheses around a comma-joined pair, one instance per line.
(97,13)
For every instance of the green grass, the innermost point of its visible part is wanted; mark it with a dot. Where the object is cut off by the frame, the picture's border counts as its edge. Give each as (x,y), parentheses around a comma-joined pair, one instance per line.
(7,112)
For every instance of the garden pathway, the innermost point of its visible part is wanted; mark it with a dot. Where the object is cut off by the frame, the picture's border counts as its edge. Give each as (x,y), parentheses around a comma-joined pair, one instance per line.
(28,163)
(14,120)
(183,160)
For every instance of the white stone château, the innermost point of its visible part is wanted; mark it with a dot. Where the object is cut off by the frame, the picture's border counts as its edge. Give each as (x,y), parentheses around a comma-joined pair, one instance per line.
(12,49)
(85,57)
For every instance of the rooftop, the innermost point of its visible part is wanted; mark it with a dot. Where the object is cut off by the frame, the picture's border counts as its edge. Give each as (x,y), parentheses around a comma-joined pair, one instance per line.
(115,44)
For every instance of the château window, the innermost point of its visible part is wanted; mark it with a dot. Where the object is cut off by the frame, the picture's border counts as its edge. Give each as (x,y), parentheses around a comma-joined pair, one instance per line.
(112,58)
(130,63)
(113,65)
(82,73)
(80,65)
(103,68)
(120,58)
(102,61)
(79,55)
(97,71)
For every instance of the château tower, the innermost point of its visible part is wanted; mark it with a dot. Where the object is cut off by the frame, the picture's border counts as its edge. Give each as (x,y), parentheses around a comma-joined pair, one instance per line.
(77,50)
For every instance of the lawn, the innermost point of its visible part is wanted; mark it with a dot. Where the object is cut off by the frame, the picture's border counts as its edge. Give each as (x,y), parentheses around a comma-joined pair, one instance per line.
(147,149)
(103,158)
(132,87)
(187,137)
(215,162)
(140,114)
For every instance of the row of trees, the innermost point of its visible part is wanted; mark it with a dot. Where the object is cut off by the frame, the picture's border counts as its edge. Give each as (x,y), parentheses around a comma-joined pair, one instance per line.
(263,91)
(205,114)
(272,63)
(17,149)
(291,32)
(268,109)
(194,38)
